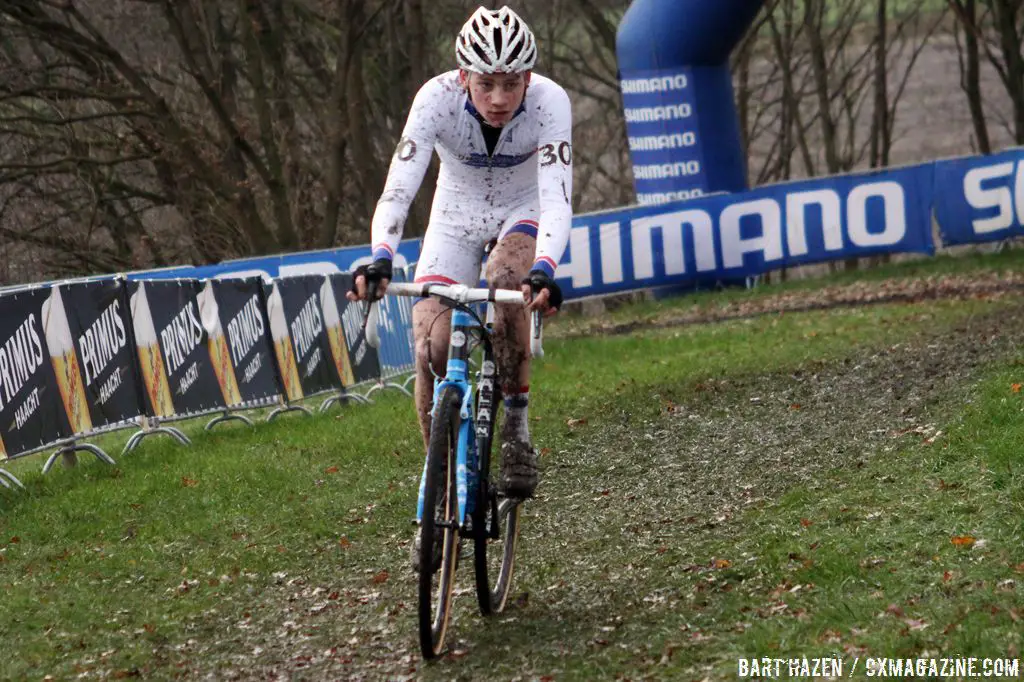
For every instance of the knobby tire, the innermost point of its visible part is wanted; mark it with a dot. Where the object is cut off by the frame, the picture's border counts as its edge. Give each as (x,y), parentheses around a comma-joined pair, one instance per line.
(494,559)
(435,600)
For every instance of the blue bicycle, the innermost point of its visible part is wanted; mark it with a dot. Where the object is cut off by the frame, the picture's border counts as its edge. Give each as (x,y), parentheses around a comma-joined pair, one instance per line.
(456,493)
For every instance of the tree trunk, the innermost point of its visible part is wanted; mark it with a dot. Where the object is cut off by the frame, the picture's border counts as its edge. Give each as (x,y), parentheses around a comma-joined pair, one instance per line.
(813,14)
(970,69)
(1005,15)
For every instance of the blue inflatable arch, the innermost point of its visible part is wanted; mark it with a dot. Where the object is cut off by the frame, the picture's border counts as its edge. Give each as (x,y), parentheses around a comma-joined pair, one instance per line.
(680,112)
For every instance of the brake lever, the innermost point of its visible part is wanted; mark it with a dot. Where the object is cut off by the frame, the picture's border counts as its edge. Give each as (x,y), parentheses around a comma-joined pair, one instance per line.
(370,316)
(536,334)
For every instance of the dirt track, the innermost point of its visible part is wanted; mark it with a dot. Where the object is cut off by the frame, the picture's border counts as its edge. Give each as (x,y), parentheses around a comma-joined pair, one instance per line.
(624,491)
(980,285)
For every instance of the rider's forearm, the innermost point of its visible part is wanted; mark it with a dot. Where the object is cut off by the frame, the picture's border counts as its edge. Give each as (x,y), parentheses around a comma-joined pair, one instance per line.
(408,166)
(554,181)
(552,237)
(404,179)
(386,232)
(555,216)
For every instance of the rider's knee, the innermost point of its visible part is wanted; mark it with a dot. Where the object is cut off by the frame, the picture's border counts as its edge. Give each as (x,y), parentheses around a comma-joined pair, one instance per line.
(503,275)
(506,278)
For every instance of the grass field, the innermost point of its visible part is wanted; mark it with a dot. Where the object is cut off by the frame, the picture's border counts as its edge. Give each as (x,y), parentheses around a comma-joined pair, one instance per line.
(839,479)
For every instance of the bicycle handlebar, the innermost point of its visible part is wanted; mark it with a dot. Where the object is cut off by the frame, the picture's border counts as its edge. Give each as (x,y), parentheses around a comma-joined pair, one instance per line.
(460,293)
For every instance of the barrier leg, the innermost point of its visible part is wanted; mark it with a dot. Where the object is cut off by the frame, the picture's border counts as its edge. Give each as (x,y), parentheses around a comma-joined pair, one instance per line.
(225,416)
(341,397)
(6,476)
(73,447)
(151,430)
(381,385)
(287,407)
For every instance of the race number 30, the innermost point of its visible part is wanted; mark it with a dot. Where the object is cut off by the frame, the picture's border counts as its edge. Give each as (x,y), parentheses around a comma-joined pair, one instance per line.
(551,153)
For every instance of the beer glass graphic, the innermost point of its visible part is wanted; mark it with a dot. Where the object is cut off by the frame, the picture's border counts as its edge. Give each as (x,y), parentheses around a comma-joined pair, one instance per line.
(154,375)
(335,334)
(218,346)
(283,345)
(65,362)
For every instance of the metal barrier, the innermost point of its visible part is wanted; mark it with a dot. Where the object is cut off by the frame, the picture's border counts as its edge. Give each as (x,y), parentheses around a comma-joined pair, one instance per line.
(135,353)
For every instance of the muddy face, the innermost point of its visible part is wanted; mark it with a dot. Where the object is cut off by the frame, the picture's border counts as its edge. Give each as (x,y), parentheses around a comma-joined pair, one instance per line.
(496,96)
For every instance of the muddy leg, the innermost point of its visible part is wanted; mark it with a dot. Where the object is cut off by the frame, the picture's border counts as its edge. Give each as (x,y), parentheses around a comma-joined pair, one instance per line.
(509,263)
(431,336)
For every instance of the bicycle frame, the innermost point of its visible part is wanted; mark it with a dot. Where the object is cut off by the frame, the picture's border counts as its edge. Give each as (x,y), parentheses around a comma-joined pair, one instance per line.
(476,426)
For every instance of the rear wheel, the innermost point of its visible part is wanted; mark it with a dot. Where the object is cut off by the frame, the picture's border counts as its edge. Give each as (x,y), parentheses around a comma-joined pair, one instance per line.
(495,535)
(494,558)
(439,533)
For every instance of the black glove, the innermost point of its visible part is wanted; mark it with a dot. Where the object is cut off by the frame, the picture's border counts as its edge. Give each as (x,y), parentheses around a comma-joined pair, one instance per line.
(373,273)
(538,279)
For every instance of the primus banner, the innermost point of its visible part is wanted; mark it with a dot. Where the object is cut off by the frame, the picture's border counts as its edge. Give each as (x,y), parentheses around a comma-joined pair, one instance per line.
(33,404)
(235,312)
(345,329)
(295,309)
(88,329)
(177,373)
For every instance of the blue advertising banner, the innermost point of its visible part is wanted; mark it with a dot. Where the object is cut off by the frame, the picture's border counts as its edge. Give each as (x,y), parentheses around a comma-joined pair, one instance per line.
(980,198)
(396,335)
(739,235)
(324,262)
(664,136)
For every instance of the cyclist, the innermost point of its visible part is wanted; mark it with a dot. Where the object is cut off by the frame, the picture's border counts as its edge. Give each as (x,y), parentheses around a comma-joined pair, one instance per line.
(503,134)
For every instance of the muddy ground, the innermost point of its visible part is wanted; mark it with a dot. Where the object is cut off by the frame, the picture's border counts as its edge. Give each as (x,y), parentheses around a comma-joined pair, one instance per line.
(627,487)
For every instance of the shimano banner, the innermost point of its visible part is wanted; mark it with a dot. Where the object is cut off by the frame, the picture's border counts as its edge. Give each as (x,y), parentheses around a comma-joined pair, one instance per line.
(980,198)
(664,138)
(730,236)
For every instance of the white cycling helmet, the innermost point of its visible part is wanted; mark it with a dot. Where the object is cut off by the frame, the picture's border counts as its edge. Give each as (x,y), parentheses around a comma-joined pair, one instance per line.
(495,41)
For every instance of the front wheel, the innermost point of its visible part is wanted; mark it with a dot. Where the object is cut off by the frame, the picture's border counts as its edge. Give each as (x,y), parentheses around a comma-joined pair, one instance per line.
(439,534)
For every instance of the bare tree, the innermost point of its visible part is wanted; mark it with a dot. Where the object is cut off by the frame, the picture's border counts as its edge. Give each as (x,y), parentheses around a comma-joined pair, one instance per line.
(140,133)
(969,55)
(997,31)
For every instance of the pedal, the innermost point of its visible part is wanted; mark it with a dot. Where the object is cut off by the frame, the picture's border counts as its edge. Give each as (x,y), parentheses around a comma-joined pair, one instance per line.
(446,524)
